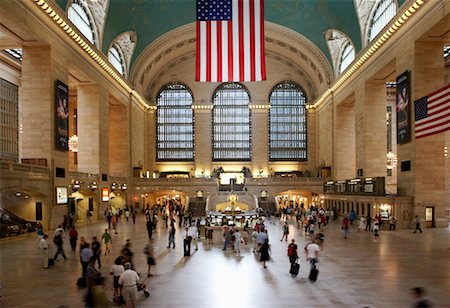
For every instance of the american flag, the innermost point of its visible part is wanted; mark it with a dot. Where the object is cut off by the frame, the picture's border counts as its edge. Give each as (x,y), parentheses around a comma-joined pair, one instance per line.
(230,41)
(432,113)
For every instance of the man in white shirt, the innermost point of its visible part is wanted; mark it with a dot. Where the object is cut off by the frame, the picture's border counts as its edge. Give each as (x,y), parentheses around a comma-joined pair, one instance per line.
(312,253)
(43,246)
(128,280)
(193,231)
(187,238)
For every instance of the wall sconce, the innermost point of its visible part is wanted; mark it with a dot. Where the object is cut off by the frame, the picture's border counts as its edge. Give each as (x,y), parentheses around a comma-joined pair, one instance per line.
(93,186)
(113,186)
(18,194)
(123,187)
(76,185)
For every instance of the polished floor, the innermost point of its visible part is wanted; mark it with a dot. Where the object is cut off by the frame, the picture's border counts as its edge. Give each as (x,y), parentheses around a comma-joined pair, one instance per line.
(354,272)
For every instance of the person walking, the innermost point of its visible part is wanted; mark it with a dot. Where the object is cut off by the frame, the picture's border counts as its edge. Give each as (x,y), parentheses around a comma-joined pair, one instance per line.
(195,235)
(73,238)
(148,251)
(85,257)
(368,223)
(292,252)
(127,214)
(420,301)
(392,223)
(149,225)
(237,241)
(312,255)
(96,250)
(265,252)
(134,217)
(108,240)
(128,280)
(117,270)
(43,246)
(187,238)
(58,240)
(417,223)
(285,231)
(172,235)
(362,224)
(345,227)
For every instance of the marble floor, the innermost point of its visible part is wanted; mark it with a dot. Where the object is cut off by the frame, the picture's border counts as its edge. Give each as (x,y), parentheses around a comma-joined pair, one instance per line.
(354,272)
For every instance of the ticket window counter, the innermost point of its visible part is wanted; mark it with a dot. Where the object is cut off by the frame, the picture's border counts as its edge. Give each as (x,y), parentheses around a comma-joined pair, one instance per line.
(429,217)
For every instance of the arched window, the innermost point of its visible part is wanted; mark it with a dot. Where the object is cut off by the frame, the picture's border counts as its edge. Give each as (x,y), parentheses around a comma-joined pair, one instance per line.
(78,15)
(116,59)
(287,123)
(175,123)
(231,123)
(385,11)
(347,56)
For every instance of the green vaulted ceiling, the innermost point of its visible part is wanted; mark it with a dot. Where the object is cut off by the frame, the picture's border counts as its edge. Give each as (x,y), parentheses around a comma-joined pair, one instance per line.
(152,18)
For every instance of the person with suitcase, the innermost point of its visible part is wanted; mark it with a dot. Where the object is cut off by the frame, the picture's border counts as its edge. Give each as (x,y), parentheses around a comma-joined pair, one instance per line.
(293,257)
(312,255)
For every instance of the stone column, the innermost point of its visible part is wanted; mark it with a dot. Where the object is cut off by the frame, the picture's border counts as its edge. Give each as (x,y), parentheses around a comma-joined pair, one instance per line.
(118,139)
(344,145)
(93,129)
(371,130)
(41,67)
(203,140)
(260,141)
(430,162)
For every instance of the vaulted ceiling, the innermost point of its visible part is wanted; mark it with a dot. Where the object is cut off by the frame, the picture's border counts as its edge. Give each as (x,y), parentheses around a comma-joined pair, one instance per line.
(150,19)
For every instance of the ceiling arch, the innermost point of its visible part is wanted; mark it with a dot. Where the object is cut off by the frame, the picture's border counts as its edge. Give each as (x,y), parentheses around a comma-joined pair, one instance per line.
(282,45)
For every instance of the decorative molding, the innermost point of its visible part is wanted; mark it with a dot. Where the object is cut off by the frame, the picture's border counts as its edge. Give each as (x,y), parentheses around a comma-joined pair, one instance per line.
(98,10)
(336,41)
(127,44)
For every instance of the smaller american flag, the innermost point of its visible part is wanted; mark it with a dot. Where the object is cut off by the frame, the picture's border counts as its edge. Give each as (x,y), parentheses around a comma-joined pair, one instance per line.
(432,113)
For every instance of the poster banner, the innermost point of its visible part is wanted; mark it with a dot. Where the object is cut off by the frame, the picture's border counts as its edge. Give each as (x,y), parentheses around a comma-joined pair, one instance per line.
(403,109)
(62,116)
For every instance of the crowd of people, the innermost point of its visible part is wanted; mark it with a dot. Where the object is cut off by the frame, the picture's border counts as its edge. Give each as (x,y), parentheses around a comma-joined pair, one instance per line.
(311,222)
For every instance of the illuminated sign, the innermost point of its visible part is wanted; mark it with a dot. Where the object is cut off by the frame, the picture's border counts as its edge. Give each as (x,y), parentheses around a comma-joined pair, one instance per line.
(105,194)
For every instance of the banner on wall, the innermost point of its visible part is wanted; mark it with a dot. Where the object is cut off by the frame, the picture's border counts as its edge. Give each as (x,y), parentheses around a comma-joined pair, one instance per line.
(62,116)
(403,109)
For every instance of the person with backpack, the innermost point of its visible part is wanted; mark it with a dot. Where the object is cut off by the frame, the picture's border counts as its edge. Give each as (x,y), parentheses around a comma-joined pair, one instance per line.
(293,257)
(285,232)
(292,252)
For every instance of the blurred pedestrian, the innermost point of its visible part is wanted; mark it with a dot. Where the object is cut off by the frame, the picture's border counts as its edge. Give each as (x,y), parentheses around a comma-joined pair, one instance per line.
(73,238)
(418,294)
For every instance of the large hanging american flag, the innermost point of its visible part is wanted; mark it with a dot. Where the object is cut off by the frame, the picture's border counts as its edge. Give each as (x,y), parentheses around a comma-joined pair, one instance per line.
(230,41)
(432,113)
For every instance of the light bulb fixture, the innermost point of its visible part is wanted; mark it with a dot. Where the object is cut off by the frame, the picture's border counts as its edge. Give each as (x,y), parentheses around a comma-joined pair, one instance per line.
(123,187)
(114,186)
(93,186)
(76,185)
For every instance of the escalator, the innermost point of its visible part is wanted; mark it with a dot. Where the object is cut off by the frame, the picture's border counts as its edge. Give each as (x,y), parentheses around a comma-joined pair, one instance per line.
(10,224)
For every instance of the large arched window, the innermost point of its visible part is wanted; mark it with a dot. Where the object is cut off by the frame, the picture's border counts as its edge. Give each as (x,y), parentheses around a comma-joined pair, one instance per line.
(116,59)
(175,123)
(384,12)
(347,56)
(231,123)
(78,15)
(287,123)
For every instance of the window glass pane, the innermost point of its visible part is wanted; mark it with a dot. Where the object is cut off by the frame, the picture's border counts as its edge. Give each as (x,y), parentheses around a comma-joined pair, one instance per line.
(79,17)
(287,123)
(348,55)
(115,59)
(175,124)
(384,12)
(231,123)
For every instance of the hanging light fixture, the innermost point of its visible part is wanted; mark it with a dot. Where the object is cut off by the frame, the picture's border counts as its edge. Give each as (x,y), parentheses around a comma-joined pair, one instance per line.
(391,160)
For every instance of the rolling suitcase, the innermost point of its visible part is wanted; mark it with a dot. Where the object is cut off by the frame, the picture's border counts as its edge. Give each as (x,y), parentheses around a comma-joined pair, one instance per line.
(313,274)
(295,267)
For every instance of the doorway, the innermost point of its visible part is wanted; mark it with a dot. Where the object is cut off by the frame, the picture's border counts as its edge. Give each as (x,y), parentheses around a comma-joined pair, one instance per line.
(429,216)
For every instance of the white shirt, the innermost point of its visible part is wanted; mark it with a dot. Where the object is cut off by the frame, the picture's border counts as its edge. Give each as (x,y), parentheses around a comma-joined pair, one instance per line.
(193,231)
(128,278)
(43,244)
(59,231)
(186,234)
(117,270)
(312,250)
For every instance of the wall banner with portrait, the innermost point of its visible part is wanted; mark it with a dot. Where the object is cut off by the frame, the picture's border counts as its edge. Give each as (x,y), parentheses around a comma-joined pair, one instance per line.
(62,116)
(403,108)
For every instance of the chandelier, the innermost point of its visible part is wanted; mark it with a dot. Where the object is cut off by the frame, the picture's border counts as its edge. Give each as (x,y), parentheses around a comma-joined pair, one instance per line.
(73,143)
(391,160)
